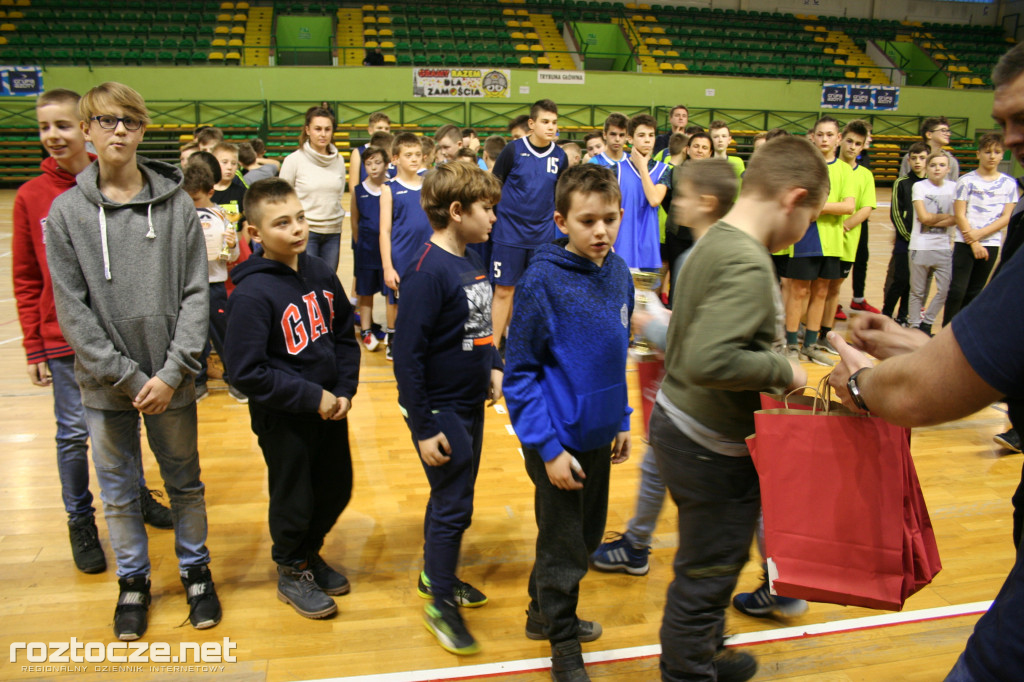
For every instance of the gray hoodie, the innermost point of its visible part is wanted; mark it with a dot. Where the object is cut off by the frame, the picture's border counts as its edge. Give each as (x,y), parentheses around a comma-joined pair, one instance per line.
(130,286)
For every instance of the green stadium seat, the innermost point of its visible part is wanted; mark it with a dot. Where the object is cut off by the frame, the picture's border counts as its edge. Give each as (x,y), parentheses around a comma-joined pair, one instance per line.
(199,57)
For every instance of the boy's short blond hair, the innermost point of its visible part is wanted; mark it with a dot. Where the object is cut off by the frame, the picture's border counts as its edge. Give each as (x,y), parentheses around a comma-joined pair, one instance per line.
(100,99)
(378,116)
(456,182)
(226,147)
(261,193)
(677,143)
(710,176)
(785,163)
(936,155)
(426,145)
(58,96)
(587,178)
(718,124)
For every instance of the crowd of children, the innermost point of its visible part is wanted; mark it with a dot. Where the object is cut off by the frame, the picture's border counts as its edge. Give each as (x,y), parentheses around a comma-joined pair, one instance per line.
(531,241)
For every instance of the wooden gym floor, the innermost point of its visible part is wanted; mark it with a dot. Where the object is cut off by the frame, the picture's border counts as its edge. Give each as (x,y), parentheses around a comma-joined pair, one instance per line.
(377,542)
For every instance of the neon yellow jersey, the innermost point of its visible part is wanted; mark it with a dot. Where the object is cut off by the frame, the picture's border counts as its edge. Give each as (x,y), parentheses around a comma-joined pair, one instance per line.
(830,227)
(862,187)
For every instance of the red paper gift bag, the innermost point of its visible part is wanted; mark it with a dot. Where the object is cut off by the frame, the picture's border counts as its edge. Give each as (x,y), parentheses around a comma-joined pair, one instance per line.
(844,518)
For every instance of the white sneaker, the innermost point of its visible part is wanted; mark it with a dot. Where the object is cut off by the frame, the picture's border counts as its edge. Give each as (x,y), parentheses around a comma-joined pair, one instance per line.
(370,342)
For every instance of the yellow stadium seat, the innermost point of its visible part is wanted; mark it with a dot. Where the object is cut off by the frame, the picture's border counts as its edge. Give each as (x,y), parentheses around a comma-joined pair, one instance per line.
(387,45)
(368,8)
(240,17)
(370,32)
(216,56)
(235,42)
(241,5)
(536,48)
(370,44)
(522,48)
(516,35)
(383,20)
(526,61)
(532,36)
(681,67)
(369,19)
(224,18)
(238,30)
(390,59)
(512,23)
(382,32)
(227,5)
(233,56)
(218,42)
(221,29)
(383,8)
(7,27)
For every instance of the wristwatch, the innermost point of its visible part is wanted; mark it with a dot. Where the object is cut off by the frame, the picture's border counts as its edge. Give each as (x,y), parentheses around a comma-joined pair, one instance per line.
(855,394)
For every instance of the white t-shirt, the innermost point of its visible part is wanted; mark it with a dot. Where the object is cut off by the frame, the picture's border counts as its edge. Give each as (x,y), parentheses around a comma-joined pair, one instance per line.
(986,201)
(215,224)
(937,199)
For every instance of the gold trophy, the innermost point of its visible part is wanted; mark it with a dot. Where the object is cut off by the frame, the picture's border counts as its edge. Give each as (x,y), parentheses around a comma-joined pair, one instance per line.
(645,286)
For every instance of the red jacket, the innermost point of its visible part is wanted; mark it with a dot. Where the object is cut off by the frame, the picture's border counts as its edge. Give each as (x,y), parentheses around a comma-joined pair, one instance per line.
(32,287)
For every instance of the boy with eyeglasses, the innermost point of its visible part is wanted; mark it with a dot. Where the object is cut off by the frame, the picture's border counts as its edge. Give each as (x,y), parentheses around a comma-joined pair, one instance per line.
(130,280)
(935,133)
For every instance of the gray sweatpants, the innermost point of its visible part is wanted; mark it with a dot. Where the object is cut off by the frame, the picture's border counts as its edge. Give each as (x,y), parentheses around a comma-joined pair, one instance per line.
(924,265)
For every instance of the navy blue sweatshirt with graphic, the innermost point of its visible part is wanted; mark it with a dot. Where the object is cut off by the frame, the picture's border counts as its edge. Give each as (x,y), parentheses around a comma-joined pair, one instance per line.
(290,335)
(565,378)
(443,346)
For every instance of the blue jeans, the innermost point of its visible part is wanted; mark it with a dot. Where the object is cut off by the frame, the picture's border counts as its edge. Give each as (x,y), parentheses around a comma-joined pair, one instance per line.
(173,438)
(73,440)
(326,247)
(649,500)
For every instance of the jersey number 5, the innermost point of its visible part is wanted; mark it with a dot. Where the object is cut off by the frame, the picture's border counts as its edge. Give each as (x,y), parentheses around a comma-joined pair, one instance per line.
(552,165)
(497,269)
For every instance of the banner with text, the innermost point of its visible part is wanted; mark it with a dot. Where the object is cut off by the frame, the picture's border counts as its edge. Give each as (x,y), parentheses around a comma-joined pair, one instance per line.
(21,81)
(458,82)
(851,96)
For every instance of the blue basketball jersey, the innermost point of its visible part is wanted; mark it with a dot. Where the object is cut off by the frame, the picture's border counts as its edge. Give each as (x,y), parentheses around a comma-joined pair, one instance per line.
(639,241)
(525,214)
(410,228)
(603,160)
(368,245)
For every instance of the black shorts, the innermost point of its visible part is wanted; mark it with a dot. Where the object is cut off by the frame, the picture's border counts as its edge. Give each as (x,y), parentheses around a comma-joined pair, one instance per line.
(780,265)
(810,268)
(844,269)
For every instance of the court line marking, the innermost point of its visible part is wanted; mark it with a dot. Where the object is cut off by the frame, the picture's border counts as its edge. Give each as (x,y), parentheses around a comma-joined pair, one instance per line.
(652,650)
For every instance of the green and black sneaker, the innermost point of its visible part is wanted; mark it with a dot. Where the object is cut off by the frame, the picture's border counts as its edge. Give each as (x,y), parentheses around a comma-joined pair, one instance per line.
(465,594)
(447,625)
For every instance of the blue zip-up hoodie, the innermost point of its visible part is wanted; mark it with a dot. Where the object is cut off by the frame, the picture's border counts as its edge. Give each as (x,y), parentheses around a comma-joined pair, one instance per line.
(290,335)
(565,373)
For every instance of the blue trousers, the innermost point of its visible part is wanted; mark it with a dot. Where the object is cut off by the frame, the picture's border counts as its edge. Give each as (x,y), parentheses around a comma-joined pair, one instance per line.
(450,507)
